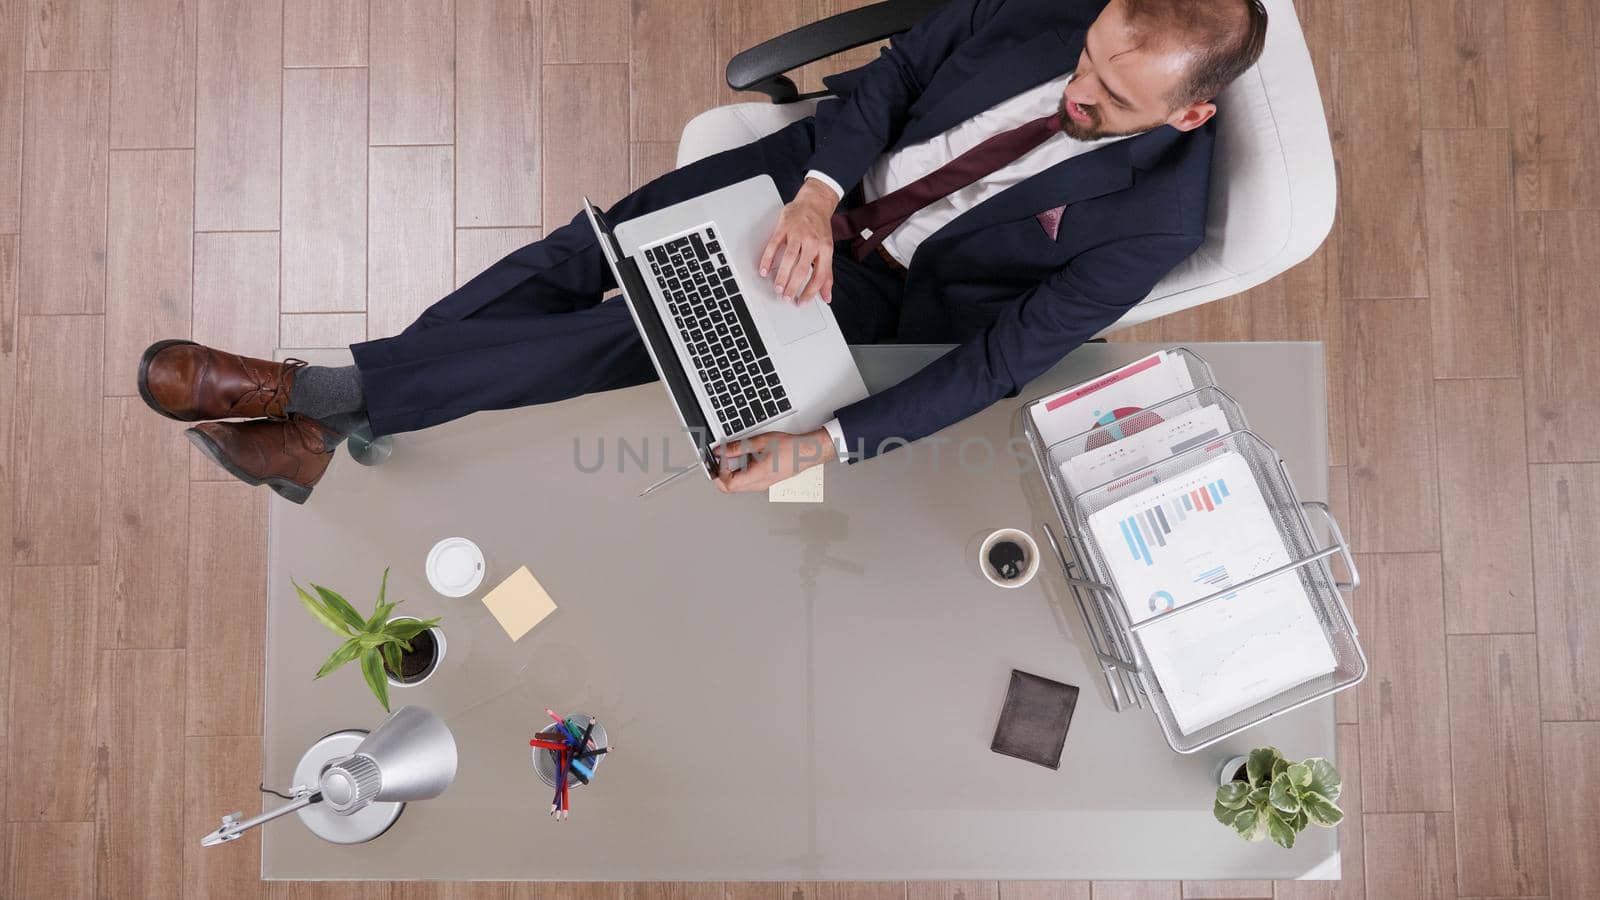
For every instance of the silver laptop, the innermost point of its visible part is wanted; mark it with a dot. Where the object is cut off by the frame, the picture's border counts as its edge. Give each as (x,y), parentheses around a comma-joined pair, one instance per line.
(735,357)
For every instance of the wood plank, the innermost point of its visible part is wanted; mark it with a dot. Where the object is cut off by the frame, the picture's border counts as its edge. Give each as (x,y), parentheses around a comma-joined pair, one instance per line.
(952,890)
(1227,890)
(238,115)
(410,261)
(324,33)
(52,697)
(1376,25)
(1044,890)
(846,890)
(1227,319)
(322,329)
(676,73)
(235,305)
(324,266)
(586,31)
(55,502)
(222,778)
(1352,875)
(1558,275)
(226,608)
(648,160)
(1554,107)
(1375,119)
(671,890)
(498,84)
(1565,567)
(1461,56)
(69,34)
(1467,188)
(1497,764)
(64,158)
(8,474)
(1394,491)
(460,890)
(50,857)
(150,268)
(1572,780)
(1405,737)
(1137,890)
(140,730)
(13,56)
(1410,855)
(411,55)
(479,248)
(153,73)
(1483,506)
(144,555)
(590,161)
(742,24)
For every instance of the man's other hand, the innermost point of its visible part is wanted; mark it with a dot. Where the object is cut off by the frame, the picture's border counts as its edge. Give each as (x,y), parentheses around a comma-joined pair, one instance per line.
(771,457)
(803,242)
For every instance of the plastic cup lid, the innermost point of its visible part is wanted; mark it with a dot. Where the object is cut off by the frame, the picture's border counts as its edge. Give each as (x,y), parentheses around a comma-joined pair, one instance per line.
(455,567)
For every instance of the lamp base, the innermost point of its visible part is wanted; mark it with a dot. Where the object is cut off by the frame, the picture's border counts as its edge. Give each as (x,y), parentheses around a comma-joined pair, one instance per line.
(358,827)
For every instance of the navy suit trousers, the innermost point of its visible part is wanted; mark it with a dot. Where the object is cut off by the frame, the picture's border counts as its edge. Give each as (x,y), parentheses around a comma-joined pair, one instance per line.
(532,328)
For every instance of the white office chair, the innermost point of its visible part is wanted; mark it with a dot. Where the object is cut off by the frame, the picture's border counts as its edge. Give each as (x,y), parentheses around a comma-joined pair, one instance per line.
(1272,178)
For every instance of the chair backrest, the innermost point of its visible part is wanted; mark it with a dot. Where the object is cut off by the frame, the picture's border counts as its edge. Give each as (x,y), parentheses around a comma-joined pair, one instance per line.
(1273,185)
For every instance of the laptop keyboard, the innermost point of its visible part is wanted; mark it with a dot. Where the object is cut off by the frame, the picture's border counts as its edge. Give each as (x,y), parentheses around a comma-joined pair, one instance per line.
(710,313)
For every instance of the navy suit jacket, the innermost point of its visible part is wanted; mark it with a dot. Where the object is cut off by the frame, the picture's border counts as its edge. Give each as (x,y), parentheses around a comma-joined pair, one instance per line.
(992,278)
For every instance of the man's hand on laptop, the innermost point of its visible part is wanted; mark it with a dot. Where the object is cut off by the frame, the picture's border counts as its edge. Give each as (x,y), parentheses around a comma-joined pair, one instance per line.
(771,457)
(803,242)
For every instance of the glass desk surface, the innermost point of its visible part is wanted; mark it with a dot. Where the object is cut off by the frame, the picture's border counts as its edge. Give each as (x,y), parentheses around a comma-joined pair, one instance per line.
(844,662)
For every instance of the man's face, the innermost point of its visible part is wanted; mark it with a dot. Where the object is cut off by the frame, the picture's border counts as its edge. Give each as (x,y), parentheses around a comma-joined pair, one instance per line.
(1122,83)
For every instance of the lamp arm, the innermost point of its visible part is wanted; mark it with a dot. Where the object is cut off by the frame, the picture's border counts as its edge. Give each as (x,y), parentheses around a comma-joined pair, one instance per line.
(232,828)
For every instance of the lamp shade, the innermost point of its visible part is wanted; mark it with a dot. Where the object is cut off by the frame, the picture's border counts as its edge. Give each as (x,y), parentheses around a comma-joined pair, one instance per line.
(411,756)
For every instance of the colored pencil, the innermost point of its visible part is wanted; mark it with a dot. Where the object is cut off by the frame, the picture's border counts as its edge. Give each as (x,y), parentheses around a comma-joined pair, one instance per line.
(591,753)
(566,801)
(546,745)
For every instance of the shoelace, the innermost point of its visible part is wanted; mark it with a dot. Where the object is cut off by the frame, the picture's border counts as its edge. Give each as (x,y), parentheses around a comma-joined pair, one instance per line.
(310,431)
(290,364)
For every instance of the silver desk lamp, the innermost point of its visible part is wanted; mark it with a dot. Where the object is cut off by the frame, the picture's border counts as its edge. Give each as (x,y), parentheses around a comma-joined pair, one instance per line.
(351,785)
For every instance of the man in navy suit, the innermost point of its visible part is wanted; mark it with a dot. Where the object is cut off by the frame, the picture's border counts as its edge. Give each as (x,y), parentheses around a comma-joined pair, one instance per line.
(1009,175)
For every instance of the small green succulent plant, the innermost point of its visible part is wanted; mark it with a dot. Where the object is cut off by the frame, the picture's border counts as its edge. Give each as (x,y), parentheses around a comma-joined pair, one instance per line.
(374,640)
(1279,798)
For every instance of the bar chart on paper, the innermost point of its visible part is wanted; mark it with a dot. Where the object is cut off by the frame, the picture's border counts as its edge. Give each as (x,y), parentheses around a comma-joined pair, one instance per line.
(1149,527)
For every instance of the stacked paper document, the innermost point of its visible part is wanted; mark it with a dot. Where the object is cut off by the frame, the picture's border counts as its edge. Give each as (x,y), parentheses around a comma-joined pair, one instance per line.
(1114,400)
(1173,542)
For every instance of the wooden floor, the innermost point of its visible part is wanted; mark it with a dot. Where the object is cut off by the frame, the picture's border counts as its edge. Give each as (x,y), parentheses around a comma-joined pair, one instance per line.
(309,172)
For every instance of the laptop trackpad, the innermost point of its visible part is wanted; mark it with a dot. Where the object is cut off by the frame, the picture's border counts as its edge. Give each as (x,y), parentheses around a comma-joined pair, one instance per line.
(790,323)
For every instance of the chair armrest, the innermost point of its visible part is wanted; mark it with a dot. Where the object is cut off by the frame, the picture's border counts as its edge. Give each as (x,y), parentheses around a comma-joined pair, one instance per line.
(761,67)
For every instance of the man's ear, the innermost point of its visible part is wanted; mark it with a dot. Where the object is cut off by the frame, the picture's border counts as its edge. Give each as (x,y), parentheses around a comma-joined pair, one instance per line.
(1192,116)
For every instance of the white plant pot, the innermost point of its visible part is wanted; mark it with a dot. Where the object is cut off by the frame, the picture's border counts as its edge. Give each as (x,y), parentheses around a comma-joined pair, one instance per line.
(438,655)
(1230,766)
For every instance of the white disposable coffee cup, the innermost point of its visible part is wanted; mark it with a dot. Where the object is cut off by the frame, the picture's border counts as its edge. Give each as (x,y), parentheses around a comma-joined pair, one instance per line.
(455,567)
(1030,561)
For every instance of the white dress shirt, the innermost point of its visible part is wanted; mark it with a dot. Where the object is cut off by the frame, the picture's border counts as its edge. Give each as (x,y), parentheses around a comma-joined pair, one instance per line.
(894,170)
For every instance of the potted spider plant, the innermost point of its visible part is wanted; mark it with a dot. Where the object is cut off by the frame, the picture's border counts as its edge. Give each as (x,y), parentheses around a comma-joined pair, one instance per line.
(1268,796)
(398,650)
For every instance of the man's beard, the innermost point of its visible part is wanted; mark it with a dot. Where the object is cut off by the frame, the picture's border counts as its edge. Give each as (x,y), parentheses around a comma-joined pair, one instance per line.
(1092,130)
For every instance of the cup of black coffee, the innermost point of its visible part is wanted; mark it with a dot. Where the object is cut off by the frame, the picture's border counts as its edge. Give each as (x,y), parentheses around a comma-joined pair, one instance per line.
(1008,558)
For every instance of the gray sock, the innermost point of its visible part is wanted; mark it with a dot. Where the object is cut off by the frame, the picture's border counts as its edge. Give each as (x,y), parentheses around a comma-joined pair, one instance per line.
(322,392)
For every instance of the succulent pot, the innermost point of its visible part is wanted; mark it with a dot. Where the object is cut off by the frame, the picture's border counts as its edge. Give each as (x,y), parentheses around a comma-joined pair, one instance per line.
(1233,769)
(419,664)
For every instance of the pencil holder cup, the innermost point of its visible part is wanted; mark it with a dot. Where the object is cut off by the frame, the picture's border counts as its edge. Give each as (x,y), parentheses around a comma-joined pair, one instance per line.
(545,762)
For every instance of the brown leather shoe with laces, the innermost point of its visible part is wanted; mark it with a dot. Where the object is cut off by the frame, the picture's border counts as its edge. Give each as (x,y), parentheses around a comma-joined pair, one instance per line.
(288,456)
(185,381)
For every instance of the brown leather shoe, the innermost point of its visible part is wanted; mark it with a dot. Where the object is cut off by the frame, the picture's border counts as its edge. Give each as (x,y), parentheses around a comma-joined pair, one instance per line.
(185,381)
(288,456)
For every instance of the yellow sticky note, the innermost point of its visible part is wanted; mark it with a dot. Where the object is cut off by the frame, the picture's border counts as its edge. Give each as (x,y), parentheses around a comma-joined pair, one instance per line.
(519,603)
(803,488)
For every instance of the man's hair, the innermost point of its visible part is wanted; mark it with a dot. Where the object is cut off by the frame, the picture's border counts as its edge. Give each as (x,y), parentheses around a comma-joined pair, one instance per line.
(1224,38)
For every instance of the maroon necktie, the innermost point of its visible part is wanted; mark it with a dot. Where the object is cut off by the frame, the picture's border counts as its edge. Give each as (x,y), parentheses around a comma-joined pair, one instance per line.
(885,214)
